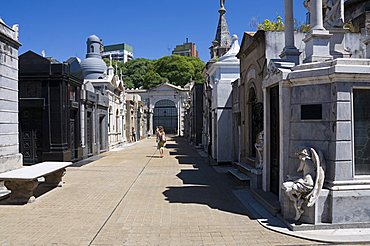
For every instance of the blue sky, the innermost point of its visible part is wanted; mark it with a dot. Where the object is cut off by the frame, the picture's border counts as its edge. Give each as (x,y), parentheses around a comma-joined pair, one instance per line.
(153,28)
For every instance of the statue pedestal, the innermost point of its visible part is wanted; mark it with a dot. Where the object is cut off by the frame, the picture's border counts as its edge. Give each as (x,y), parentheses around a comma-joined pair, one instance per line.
(317,46)
(337,43)
(317,214)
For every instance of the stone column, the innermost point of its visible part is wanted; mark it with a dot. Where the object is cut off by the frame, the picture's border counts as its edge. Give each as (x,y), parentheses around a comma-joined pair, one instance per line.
(316,17)
(290,52)
(317,40)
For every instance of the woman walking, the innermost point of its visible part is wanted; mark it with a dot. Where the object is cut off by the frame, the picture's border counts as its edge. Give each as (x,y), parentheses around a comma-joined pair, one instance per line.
(162,140)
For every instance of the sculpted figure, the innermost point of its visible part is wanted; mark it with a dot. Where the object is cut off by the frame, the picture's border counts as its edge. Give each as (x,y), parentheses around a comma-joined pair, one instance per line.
(333,13)
(259,148)
(308,187)
(307,5)
(222,4)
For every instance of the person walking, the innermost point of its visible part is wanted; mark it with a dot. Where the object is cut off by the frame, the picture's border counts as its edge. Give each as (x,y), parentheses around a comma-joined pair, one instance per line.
(162,140)
(157,135)
(133,132)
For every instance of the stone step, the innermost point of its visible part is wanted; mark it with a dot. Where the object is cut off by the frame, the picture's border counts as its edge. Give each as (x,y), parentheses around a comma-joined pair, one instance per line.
(240,176)
(246,168)
(268,200)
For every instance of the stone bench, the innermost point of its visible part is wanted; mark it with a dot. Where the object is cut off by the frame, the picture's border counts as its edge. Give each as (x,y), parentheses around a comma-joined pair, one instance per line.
(23,181)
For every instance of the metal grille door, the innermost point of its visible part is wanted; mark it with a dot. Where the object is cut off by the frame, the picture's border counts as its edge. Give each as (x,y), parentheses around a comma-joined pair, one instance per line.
(165,114)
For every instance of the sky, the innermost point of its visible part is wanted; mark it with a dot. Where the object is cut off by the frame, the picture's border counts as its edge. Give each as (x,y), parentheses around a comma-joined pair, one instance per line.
(153,28)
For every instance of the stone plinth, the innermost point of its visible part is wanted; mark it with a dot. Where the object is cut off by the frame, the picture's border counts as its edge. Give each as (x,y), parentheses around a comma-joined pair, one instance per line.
(9,151)
(317,46)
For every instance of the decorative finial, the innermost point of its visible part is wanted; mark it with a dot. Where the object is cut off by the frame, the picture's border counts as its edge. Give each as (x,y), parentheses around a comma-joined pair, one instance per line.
(222,7)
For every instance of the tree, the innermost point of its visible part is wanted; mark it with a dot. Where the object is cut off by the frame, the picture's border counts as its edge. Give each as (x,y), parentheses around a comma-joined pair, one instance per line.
(268,25)
(152,79)
(177,70)
(180,70)
(134,72)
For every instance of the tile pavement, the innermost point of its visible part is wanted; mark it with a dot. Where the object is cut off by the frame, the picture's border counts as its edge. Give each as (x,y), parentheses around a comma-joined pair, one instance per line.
(132,197)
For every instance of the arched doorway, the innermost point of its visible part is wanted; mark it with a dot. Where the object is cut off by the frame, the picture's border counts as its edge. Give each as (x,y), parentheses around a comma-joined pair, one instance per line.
(165,114)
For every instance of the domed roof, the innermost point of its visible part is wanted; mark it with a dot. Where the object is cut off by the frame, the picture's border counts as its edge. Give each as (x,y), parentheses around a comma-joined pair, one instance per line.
(93,38)
(93,68)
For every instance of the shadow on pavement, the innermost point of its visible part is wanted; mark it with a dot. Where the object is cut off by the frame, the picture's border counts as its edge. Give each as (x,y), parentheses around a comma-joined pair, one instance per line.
(203,184)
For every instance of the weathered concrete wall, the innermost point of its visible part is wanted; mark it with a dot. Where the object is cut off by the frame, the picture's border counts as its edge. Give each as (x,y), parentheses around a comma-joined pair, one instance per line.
(10,158)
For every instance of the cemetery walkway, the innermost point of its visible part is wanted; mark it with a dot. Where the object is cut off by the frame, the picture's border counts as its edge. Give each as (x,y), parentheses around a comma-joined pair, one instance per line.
(132,197)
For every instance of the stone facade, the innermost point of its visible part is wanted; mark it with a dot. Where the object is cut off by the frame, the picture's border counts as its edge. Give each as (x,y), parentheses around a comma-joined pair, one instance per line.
(165,101)
(136,117)
(222,74)
(108,85)
(321,104)
(10,158)
(49,105)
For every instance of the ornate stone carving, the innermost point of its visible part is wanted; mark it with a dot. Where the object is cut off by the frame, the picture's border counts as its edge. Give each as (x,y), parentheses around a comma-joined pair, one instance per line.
(259,149)
(55,179)
(309,185)
(22,190)
(333,13)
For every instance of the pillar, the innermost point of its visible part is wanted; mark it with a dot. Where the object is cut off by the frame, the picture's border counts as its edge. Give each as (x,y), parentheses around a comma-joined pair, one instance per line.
(316,17)
(290,52)
(318,38)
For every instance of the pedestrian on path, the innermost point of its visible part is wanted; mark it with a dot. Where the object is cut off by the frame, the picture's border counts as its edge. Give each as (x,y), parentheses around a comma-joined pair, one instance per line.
(157,135)
(133,137)
(162,140)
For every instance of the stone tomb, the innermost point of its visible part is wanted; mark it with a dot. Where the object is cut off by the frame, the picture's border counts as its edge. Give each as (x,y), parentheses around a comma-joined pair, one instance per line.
(322,105)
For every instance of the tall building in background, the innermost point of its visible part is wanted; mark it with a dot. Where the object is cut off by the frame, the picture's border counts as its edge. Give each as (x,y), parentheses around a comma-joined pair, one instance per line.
(119,52)
(186,49)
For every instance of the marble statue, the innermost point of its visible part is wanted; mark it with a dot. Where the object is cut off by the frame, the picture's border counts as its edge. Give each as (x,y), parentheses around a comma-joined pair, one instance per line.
(307,187)
(16,30)
(307,5)
(259,149)
(333,13)
(222,4)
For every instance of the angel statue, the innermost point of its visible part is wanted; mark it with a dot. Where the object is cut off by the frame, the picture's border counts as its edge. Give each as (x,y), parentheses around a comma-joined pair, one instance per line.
(259,149)
(333,13)
(309,186)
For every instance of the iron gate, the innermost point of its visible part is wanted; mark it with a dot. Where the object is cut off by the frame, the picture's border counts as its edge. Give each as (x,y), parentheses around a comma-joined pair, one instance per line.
(165,114)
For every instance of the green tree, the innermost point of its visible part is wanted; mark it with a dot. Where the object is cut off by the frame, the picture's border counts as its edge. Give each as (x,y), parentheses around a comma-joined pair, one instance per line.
(268,25)
(144,73)
(152,79)
(134,72)
(180,70)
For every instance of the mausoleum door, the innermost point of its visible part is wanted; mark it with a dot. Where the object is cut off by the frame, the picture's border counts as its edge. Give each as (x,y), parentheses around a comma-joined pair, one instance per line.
(165,114)
(274,140)
(89,133)
(72,138)
(31,135)
(361,99)
(255,121)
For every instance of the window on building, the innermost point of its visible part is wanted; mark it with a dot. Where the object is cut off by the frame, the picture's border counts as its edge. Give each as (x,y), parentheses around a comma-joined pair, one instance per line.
(92,48)
(361,109)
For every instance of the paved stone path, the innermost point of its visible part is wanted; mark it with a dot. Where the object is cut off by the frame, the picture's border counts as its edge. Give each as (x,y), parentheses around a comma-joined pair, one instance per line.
(132,197)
